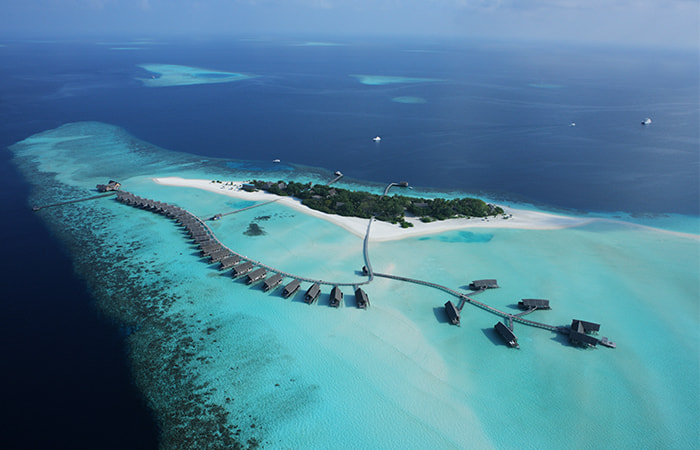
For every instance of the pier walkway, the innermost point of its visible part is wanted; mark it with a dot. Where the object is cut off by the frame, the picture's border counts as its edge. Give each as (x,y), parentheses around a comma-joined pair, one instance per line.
(242,209)
(67,202)
(184,216)
(466,299)
(334,179)
(205,238)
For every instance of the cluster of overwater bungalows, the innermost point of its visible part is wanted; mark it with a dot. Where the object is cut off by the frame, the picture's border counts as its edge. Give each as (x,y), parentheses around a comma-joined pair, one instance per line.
(215,252)
(580,332)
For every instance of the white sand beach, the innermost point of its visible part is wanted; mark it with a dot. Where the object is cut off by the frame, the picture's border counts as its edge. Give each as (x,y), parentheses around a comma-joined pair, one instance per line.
(384,231)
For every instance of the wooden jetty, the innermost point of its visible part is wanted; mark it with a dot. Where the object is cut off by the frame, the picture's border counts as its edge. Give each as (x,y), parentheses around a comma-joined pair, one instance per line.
(68,202)
(452,312)
(361,298)
(336,296)
(291,288)
(312,293)
(209,245)
(272,282)
(507,335)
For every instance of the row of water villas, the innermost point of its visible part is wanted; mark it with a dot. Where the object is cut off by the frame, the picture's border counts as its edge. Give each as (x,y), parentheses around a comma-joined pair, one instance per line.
(212,249)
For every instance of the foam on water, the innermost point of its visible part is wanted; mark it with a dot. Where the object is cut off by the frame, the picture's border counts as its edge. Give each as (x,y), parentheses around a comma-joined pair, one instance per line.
(221,362)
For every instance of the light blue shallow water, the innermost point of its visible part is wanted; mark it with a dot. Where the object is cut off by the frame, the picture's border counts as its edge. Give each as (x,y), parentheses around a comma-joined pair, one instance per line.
(220,361)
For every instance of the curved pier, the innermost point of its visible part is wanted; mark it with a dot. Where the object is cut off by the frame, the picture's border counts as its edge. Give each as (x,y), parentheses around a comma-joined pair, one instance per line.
(200,231)
(464,299)
(213,248)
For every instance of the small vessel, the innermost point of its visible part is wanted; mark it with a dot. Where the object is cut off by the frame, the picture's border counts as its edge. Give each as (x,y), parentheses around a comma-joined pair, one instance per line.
(376,139)
(276,161)
(338,173)
(572,124)
(646,121)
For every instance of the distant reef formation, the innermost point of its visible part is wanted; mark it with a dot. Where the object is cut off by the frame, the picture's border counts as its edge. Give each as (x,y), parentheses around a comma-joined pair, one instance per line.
(365,205)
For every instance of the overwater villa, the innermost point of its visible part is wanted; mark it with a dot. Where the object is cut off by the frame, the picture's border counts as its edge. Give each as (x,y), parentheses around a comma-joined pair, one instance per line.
(507,335)
(291,288)
(312,293)
(480,285)
(361,298)
(336,296)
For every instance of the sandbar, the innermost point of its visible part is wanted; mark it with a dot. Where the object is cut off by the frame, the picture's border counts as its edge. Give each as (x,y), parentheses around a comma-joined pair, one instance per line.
(384,231)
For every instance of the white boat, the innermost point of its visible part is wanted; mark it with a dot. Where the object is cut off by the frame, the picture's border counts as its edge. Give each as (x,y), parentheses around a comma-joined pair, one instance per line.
(377,139)
(572,124)
(276,161)
(646,121)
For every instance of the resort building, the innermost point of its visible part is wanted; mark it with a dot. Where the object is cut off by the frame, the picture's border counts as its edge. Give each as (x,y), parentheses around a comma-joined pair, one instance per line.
(291,288)
(336,296)
(531,303)
(507,335)
(272,282)
(480,285)
(452,313)
(361,298)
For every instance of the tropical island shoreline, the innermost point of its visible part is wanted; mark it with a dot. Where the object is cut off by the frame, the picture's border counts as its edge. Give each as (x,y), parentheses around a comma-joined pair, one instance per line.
(384,231)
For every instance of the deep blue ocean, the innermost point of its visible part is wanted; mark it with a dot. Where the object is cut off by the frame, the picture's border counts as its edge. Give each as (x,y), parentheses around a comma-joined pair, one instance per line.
(497,121)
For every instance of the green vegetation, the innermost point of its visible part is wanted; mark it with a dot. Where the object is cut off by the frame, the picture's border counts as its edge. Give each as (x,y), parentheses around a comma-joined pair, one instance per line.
(386,208)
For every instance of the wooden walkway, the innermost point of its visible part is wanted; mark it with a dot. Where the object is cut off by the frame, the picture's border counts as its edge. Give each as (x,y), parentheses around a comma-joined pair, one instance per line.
(184,217)
(67,202)
(466,299)
(208,242)
(243,209)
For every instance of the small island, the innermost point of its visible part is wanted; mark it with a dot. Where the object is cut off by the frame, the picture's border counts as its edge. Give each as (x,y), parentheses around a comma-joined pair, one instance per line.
(365,205)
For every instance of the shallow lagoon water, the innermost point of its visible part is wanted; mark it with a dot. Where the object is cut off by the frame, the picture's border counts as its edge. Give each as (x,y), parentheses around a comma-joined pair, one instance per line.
(177,75)
(221,362)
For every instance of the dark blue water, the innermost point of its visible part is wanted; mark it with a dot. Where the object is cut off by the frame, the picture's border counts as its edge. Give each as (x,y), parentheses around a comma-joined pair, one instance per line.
(498,124)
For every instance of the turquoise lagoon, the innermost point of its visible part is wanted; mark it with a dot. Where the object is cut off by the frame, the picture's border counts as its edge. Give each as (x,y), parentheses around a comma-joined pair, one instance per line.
(221,362)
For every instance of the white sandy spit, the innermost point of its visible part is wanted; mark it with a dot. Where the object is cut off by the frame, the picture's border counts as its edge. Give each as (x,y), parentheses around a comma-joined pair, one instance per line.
(384,231)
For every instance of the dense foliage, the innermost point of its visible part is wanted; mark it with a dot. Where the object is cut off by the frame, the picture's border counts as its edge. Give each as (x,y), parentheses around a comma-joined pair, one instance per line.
(387,208)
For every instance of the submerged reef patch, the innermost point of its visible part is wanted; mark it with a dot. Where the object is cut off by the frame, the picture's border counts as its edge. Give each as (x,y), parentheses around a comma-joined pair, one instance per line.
(176,75)
(379,80)
(409,100)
